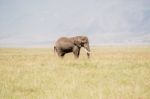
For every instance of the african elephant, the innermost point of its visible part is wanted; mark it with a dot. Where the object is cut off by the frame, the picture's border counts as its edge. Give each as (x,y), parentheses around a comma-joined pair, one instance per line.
(72,44)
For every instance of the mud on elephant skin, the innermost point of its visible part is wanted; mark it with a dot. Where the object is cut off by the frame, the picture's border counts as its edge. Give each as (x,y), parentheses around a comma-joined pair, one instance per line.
(66,45)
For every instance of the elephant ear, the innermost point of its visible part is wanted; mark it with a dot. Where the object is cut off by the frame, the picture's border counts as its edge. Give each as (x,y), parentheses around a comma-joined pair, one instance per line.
(77,41)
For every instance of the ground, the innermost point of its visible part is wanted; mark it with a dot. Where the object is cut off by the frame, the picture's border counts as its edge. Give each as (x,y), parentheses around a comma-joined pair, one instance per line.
(111,73)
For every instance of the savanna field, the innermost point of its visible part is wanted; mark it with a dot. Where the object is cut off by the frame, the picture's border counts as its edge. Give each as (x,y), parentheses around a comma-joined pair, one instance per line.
(110,73)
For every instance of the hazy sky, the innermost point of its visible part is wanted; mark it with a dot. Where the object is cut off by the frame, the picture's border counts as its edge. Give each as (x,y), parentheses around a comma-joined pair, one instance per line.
(40,22)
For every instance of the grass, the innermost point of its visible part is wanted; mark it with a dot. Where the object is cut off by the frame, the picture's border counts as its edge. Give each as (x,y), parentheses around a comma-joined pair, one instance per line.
(110,73)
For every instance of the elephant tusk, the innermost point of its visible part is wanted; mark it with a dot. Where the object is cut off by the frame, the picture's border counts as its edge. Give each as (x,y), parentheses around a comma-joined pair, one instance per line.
(86,50)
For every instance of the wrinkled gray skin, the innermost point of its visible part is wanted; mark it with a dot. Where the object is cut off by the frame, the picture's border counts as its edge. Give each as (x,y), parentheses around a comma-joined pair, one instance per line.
(73,44)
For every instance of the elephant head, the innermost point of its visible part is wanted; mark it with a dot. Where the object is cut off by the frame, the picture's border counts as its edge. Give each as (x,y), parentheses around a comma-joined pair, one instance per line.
(82,41)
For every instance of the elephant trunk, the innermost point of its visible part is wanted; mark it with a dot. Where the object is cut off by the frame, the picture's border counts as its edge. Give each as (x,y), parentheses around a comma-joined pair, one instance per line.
(87,50)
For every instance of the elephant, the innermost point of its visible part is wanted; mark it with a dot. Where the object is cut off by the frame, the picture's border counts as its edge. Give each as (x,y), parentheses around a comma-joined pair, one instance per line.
(66,45)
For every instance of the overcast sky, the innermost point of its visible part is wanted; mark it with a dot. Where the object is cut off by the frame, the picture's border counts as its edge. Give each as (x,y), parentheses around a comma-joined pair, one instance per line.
(25,23)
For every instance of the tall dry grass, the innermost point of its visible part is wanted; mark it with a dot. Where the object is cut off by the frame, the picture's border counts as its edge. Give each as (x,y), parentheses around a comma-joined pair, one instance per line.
(110,73)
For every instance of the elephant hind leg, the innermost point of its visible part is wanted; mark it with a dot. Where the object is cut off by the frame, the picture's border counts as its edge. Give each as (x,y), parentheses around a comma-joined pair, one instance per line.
(59,52)
(61,55)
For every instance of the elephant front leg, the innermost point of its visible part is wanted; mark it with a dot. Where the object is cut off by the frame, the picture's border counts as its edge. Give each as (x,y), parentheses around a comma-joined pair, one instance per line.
(76,52)
(88,54)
